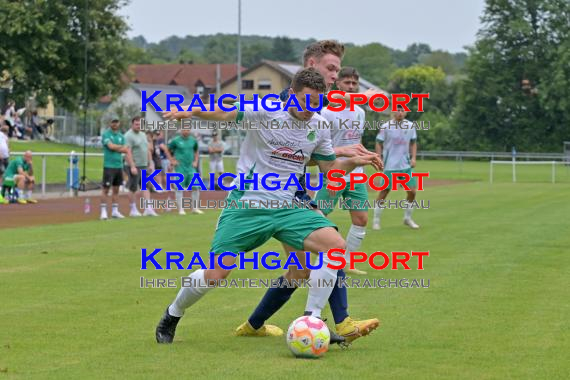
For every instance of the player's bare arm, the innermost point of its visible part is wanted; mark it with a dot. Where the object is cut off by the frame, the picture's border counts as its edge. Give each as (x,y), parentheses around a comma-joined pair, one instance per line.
(349,164)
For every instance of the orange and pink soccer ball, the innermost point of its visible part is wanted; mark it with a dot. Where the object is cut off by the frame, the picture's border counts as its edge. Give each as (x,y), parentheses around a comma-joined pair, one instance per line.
(308,337)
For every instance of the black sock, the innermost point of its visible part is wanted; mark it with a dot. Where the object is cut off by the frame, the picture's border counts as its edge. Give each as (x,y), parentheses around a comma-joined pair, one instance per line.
(338,300)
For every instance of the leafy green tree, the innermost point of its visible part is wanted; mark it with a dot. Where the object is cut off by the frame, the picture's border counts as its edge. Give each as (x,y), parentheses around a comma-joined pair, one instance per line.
(221,49)
(373,61)
(43,44)
(442,59)
(254,53)
(411,55)
(423,79)
(519,62)
(283,50)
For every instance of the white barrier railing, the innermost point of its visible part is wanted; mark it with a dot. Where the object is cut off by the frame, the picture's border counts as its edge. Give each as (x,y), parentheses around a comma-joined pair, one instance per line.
(444,154)
(71,155)
(514,163)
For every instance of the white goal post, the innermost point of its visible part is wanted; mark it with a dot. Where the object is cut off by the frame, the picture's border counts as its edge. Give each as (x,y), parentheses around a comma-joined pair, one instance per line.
(515,163)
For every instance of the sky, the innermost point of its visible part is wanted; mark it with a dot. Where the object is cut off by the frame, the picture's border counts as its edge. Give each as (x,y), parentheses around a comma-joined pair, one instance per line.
(443,24)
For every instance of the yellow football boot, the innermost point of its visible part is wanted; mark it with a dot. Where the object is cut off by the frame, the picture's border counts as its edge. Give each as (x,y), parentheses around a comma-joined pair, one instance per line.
(352,329)
(245,329)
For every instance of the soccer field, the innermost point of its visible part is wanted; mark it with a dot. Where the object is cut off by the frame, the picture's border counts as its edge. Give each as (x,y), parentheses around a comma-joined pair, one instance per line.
(497,305)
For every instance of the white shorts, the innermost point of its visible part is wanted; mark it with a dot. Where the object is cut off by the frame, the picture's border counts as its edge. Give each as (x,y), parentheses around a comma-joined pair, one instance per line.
(217,166)
(165,165)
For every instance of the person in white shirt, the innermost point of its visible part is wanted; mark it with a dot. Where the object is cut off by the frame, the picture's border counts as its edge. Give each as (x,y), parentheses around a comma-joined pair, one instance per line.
(4,154)
(396,142)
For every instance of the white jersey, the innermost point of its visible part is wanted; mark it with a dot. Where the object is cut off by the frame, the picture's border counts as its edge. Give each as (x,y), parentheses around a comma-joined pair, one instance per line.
(344,132)
(4,150)
(396,140)
(282,151)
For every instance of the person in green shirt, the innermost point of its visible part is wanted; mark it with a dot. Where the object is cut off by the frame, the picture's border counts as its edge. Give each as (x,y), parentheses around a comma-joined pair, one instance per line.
(20,172)
(142,159)
(113,149)
(182,152)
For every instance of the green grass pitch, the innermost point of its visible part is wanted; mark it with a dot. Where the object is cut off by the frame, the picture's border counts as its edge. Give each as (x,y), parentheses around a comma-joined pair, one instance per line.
(497,306)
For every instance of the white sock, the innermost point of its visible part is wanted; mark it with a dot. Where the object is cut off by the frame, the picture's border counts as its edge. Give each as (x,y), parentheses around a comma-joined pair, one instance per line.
(377,214)
(103,207)
(115,207)
(188,296)
(196,198)
(354,238)
(134,207)
(179,199)
(320,289)
(408,211)
(29,194)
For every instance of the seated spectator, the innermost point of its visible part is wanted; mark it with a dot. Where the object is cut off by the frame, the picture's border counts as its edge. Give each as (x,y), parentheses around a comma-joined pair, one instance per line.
(20,172)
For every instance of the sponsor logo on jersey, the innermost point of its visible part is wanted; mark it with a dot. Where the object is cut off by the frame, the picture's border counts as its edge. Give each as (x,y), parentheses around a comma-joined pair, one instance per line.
(288,154)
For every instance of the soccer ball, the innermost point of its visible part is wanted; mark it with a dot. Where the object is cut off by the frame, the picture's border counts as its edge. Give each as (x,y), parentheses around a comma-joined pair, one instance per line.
(308,337)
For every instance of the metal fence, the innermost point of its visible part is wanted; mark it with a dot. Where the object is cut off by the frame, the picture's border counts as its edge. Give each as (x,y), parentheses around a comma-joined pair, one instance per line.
(67,162)
(69,128)
(460,155)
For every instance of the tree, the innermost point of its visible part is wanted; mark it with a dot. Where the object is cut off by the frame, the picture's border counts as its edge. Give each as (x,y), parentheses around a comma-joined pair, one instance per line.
(373,61)
(221,49)
(442,59)
(283,50)
(420,79)
(188,56)
(253,54)
(518,62)
(411,55)
(43,44)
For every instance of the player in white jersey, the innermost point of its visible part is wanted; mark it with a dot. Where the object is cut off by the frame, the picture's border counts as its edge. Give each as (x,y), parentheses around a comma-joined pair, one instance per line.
(396,142)
(325,56)
(344,134)
(281,151)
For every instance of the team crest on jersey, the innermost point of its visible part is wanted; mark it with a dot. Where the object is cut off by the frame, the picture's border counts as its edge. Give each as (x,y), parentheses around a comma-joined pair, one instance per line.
(311,136)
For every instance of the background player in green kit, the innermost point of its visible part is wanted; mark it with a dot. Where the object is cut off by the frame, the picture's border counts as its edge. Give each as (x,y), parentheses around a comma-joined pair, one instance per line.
(397,142)
(183,154)
(20,173)
(341,137)
(113,148)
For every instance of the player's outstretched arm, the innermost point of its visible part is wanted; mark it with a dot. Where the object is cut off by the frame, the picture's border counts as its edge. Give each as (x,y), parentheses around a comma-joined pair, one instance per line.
(349,164)
(350,150)
(216,115)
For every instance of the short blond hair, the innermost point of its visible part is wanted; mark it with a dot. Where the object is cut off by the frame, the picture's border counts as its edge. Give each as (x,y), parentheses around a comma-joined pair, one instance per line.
(321,48)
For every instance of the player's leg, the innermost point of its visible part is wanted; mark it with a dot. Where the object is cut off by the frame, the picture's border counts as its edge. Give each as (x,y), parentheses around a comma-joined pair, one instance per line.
(30,182)
(357,203)
(195,197)
(116,181)
(106,185)
(411,197)
(19,186)
(133,184)
(149,211)
(273,299)
(178,194)
(382,195)
(323,278)
(237,230)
